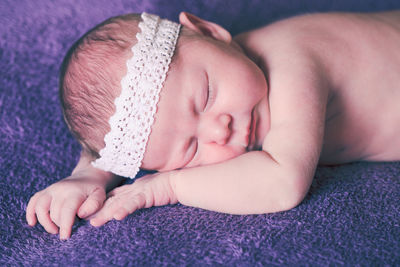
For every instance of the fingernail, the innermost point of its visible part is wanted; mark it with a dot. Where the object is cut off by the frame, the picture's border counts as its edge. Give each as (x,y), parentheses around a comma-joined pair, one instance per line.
(94,222)
(63,235)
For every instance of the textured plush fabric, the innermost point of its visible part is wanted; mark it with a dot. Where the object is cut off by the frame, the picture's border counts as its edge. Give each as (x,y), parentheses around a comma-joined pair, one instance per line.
(350,217)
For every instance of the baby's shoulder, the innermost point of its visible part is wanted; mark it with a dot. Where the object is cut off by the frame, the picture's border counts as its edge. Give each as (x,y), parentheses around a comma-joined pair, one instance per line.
(291,37)
(293,32)
(282,47)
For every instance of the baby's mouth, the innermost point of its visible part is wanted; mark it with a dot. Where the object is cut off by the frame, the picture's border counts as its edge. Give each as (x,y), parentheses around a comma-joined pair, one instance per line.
(246,136)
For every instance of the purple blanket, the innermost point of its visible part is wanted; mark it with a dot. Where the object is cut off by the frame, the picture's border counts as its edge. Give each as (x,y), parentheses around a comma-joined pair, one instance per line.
(350,217)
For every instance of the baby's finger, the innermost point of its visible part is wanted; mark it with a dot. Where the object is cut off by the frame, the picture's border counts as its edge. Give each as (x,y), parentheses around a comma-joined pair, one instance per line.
(99,220)
(67,217)
(117,190)
(30,210)
(127,207)
(92,204)
(42,212)
(104,215)
(120,214)
(118,208)
(55,210)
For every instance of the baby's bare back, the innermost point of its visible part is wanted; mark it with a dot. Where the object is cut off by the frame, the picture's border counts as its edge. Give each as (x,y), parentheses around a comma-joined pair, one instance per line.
(363,66)
(359,58)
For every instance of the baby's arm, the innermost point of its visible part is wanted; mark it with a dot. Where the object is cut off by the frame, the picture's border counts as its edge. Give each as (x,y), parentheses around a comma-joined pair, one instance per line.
(82,194)
(249,184)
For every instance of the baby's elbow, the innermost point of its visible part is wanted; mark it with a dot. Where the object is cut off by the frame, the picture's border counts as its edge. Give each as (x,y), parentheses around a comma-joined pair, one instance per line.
(295,191)
(291,202)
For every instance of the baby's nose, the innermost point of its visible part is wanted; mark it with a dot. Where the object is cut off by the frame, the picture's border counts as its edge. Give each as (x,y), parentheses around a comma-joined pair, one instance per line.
(218,130)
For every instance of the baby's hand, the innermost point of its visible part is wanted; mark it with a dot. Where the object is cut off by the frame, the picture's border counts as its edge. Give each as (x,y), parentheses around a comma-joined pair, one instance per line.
(56,206)
(150,190)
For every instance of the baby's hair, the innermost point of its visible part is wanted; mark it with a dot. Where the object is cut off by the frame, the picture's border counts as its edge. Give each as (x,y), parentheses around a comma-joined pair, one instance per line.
(89,80)
(90,77)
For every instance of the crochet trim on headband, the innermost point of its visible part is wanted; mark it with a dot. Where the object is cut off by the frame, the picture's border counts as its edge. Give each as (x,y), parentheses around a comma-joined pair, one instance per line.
(131,123)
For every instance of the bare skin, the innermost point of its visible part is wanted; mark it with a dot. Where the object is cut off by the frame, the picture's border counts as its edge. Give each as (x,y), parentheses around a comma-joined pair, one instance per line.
(360,62)
(328,94)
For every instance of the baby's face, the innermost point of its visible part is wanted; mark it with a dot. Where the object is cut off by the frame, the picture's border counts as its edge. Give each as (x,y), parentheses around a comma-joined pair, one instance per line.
(209,108)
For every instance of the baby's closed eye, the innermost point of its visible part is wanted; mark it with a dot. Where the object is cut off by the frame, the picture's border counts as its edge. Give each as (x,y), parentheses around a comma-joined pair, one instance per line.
(210,94)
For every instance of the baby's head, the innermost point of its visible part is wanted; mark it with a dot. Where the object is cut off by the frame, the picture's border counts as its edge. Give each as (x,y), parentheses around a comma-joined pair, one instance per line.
(208,104)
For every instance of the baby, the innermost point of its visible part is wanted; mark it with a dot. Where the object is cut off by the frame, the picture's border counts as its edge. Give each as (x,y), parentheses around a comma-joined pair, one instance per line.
(231,125)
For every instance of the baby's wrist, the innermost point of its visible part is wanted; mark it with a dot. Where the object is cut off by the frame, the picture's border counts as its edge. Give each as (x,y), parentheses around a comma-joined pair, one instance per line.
(173,177)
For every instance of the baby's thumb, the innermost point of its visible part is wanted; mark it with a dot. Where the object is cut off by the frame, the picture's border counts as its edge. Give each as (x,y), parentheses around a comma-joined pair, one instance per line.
(92,204)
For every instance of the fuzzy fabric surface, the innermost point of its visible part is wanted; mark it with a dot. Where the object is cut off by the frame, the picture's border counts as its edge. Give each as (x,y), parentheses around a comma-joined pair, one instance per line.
(350,217)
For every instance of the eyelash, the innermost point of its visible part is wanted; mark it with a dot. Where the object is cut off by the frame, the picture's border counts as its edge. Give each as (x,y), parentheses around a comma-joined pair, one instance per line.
(210,95)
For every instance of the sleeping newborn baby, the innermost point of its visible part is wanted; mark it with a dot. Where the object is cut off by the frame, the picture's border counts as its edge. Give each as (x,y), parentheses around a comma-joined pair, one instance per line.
(231,125)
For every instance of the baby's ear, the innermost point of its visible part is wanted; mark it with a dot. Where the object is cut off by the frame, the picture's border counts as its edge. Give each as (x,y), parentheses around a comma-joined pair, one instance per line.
(204,27)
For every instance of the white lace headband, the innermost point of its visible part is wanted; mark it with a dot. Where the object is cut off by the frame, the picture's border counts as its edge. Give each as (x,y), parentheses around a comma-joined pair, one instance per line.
(131,123)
